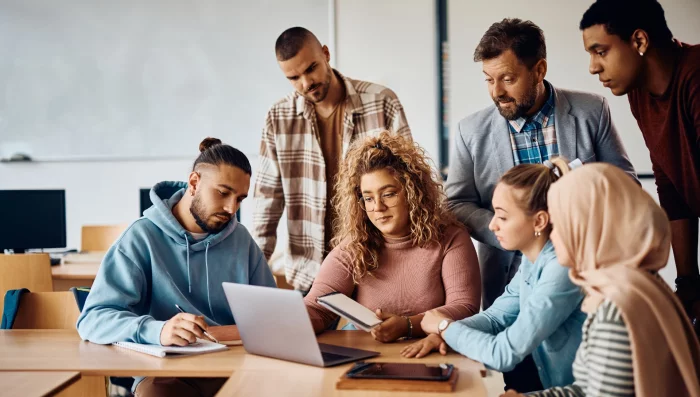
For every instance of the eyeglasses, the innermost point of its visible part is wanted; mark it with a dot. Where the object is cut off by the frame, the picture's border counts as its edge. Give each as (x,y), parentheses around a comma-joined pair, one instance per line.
(369,204)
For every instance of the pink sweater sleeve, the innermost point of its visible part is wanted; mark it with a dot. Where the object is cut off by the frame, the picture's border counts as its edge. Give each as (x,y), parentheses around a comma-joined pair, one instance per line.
(334,276)
(461,277)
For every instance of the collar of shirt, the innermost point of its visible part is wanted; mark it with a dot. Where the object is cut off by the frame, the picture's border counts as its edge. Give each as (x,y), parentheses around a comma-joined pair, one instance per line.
(541,117)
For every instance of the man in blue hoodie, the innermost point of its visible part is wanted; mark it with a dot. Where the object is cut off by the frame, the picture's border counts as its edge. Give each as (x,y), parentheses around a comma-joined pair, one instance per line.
(179,252)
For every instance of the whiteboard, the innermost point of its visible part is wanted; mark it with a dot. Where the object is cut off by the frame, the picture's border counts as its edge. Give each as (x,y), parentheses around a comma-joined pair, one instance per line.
(566,58)
(141,79)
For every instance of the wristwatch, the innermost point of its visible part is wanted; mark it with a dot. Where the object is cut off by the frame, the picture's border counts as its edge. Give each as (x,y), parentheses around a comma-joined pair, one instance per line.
(443,326)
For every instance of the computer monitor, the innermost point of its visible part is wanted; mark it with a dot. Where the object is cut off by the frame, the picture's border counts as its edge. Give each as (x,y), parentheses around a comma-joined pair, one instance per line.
(145,200)
(32,219)
(145,196)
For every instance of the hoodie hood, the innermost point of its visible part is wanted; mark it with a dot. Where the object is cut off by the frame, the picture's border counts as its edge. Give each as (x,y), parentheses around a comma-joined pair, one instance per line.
(161,214)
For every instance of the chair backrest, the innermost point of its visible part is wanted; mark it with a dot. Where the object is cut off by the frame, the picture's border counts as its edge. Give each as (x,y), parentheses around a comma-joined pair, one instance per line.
(99,238)
(80,294)
(47,310)
(31,271)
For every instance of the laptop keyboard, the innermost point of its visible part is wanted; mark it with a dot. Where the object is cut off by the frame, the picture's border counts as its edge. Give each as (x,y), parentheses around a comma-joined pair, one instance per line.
(329,357)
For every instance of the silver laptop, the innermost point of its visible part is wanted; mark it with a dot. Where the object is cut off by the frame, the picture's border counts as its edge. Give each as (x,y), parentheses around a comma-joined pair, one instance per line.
(274,322)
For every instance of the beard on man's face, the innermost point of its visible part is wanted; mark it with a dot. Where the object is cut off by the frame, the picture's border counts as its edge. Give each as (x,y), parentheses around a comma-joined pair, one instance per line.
(200,215)
(321,89)
(522,106)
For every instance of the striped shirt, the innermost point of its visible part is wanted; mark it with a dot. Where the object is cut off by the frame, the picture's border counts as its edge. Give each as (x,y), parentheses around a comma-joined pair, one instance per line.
(603,365)
(534,139)
(292,170)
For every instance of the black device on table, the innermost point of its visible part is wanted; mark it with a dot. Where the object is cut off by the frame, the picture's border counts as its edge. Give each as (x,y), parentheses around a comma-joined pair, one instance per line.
(406,371)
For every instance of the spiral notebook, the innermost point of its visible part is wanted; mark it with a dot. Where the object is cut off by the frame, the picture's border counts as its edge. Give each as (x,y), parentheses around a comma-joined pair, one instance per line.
(200,347)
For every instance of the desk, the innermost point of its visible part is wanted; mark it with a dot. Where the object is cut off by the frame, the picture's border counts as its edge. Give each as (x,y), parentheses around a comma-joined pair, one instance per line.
(290,379)
(74,275)
(35,384)
(62,350)
(320,382)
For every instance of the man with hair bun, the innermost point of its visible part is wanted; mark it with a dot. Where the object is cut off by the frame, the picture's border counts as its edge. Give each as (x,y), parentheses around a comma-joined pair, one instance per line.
(179,252)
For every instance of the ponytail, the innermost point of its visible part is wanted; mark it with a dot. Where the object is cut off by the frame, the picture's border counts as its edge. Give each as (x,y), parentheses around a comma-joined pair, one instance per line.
(535,180)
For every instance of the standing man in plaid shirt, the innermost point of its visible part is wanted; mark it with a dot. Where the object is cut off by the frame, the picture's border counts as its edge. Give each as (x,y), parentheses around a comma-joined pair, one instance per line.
(531,122)
(306,135)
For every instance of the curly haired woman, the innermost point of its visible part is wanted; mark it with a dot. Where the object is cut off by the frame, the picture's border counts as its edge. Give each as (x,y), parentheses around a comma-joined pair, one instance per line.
(397,248)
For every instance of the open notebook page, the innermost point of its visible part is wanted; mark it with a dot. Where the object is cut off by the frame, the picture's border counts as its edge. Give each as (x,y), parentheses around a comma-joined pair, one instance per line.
(200,347)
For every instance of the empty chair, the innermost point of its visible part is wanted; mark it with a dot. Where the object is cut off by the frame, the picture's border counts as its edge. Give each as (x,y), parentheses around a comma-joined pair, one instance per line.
(99,238)
(31,271)
(56,310)
(47,310)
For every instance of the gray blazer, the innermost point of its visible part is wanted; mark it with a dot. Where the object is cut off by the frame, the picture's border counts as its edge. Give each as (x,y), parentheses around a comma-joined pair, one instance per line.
(482,152)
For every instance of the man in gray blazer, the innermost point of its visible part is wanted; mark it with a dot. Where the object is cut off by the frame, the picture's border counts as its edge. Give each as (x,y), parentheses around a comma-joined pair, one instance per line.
(531,122)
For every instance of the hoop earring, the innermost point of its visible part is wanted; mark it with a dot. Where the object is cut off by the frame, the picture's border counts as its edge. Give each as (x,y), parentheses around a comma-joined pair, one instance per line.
(537,233)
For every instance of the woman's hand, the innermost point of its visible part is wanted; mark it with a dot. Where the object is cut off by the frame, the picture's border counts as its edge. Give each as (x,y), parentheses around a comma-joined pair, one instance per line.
(425,346)
(392,327)
(431,320)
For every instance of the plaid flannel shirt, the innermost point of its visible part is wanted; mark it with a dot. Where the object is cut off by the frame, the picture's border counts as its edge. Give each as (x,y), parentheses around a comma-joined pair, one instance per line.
(292,170)
(534,139)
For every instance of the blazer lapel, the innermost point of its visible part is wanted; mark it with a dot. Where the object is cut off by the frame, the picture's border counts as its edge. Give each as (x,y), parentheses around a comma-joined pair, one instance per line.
(565,126)
(501,147)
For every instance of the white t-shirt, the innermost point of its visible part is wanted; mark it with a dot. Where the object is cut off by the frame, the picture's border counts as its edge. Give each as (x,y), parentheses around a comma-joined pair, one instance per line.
(199,236)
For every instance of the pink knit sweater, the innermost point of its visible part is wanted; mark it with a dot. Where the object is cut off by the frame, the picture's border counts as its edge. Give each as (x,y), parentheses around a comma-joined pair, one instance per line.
(409,280)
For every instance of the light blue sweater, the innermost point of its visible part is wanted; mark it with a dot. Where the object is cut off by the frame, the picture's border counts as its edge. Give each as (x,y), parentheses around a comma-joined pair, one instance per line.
(539,313)
(156,264)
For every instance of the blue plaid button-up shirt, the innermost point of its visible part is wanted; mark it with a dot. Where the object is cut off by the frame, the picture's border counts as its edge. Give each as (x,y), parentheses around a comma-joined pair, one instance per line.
(534,139)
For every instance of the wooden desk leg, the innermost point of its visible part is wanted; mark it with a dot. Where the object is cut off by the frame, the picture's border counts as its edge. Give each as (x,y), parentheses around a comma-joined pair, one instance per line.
(86,386)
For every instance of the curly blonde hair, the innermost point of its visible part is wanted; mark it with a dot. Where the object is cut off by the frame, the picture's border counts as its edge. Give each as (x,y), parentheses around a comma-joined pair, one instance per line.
(423,190)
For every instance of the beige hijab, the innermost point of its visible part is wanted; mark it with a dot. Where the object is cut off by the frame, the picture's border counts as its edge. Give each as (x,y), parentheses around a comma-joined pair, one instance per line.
(616,234)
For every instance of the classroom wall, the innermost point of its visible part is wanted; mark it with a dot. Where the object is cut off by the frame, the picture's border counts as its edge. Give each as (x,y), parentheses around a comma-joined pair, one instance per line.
(393,43)
(566,58)
(393,47)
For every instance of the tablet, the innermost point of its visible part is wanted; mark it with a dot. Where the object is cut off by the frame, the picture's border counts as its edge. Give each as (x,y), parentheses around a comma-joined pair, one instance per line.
(362,317)
(408,371)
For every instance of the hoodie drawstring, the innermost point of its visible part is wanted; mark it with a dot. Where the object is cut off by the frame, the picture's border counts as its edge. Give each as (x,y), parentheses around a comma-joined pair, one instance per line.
(206,265)
(189,280)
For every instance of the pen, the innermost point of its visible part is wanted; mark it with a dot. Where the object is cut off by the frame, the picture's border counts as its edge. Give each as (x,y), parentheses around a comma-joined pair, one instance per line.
(213,339)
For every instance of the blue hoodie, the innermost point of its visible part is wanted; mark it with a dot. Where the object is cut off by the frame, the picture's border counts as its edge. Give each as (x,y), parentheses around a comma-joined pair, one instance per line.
(156,264)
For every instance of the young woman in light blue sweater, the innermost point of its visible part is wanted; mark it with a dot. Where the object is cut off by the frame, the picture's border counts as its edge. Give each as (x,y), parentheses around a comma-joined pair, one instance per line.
(539,313)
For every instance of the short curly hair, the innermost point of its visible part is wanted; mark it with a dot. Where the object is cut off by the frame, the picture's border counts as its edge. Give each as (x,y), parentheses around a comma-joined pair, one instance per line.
(623,17)
(425,197)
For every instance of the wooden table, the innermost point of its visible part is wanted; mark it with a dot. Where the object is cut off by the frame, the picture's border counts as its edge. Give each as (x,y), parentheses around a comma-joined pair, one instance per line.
(74,275)
(35,384)
(290,379)
(62,350)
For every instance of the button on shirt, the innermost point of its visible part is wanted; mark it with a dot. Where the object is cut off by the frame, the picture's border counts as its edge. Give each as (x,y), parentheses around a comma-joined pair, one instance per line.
(534,139)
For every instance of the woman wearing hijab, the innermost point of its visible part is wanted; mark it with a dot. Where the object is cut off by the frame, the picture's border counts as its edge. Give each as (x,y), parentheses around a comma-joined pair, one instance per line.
(637,340)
